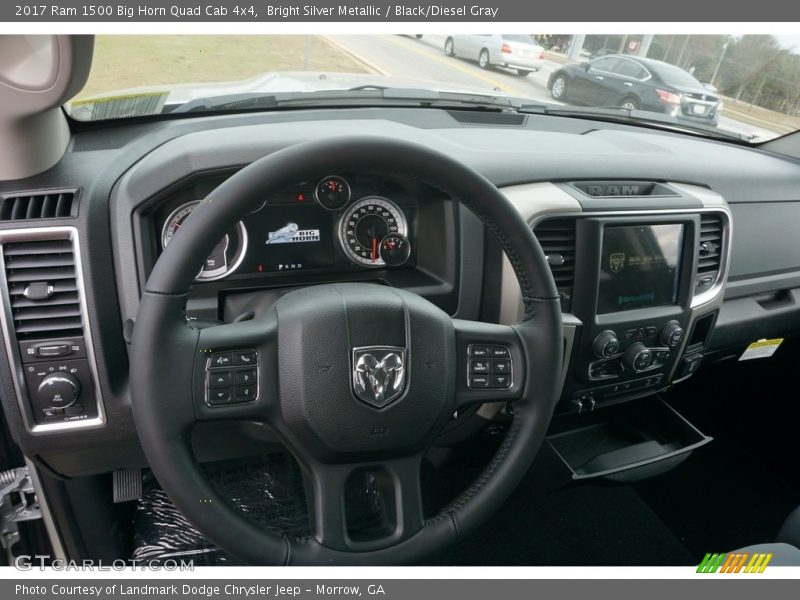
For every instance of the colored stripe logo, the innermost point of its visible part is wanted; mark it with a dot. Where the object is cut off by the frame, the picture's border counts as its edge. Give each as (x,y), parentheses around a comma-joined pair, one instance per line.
(734,562)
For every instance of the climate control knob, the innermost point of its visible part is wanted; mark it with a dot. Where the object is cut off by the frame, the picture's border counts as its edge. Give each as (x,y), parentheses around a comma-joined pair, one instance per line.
(637,358)
(58,390)
(606,344)
(671,335)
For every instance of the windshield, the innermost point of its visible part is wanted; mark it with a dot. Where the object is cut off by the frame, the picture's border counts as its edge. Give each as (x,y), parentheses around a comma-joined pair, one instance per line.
(743,87)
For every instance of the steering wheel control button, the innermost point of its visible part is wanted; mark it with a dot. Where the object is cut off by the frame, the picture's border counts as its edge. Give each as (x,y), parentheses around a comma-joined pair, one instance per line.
(501,366)
(501,381)
(493,372)
(219,397)
(246,377)
(500,352)
(218,379)
(479,366)
(220,359)
(227,384)
(246,393)
(244,357)
(479,380)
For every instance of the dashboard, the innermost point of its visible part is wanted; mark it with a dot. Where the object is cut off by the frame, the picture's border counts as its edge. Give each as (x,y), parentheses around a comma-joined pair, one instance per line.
(667,250)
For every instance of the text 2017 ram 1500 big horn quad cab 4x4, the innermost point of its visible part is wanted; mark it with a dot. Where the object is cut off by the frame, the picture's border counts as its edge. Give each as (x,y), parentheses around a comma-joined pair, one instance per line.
(321,318)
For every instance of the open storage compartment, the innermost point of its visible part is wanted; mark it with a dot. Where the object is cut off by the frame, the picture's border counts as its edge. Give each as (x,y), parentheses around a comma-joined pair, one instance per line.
(628,442)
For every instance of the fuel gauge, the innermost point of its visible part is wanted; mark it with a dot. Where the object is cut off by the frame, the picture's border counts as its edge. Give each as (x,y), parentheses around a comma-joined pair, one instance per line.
(395,250)
(332,192)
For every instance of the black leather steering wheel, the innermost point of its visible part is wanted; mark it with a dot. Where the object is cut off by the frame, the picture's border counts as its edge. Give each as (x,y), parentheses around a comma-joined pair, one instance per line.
(304,347)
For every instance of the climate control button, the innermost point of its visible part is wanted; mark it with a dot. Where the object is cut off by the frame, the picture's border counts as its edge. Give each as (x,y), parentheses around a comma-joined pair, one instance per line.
(638,358)
(606,344)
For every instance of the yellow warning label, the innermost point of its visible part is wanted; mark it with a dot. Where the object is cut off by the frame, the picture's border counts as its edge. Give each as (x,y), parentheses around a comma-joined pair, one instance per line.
(761,349)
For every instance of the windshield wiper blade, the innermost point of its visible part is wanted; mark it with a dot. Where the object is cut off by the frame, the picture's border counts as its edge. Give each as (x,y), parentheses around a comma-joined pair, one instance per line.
(622,115)
(359,96)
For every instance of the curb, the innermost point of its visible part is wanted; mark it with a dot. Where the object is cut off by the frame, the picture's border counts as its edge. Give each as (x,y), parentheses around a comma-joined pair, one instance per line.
(372,67)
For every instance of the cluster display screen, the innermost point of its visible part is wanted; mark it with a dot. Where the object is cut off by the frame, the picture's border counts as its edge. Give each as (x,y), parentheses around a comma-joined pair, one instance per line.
(289,238)
(640,266)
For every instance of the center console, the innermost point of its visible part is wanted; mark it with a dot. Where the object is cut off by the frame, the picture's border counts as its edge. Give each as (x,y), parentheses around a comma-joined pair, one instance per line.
(640,280)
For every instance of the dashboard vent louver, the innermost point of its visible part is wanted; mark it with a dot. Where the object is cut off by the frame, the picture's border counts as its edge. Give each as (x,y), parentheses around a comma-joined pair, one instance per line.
(557,239)
(24,206)
(43,288)
(710,250)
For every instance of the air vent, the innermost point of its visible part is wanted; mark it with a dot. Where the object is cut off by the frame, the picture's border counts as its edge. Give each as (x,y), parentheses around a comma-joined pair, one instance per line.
(24,206)
(477,117)
(43,288)
(709,252)
(557,239)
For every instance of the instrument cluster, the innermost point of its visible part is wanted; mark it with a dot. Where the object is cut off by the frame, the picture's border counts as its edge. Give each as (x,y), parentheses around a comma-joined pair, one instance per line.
(322,225)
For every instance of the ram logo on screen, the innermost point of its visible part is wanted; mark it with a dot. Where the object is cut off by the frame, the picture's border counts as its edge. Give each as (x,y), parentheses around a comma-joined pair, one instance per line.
(292,234)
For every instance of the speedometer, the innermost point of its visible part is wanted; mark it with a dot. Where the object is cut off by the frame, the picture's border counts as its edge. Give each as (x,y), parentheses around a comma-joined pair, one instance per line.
(365,224)
(226,256)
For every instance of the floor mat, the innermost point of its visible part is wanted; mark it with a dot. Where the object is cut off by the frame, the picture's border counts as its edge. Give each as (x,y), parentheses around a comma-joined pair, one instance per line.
(721,499)
(550,521)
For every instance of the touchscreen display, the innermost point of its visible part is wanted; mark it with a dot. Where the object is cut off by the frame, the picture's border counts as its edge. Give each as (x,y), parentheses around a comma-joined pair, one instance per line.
(640,266)
(289,238)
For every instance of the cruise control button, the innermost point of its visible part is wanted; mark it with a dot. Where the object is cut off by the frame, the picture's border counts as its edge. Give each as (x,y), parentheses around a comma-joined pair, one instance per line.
(244,357)
(479,351)
(500,352)
(221,359)
(219,396)
(245,393)
(220,379)
(501,366)
(478,381)
(479,366)
(501,381)
(246,377)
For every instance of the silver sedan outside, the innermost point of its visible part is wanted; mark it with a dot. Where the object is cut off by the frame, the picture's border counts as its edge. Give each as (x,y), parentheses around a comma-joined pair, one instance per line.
(518,52)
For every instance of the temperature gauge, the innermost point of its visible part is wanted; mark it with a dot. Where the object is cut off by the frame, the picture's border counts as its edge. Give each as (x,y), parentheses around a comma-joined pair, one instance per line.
(332,192)
(395,249)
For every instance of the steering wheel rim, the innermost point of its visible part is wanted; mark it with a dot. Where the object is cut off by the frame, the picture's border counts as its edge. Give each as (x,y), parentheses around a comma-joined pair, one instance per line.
(165,411)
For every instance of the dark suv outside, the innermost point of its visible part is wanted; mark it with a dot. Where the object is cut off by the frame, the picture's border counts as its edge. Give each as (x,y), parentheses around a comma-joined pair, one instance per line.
(636,84)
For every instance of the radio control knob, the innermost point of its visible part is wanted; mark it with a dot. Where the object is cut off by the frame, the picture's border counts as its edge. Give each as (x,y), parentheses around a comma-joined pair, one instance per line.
(672,334)
(58,390)
(606,344)
(637,358)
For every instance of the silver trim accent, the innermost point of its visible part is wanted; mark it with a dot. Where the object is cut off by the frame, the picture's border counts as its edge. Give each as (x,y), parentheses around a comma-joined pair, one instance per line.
(35,234)
(402,227)
(727,228)
(238,258)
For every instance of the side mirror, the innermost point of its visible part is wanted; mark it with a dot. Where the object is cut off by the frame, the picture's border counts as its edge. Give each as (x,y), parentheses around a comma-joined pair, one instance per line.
(587,65)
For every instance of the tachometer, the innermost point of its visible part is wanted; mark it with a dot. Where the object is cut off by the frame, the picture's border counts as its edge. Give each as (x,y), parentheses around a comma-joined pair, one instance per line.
(365,224)
(227,254)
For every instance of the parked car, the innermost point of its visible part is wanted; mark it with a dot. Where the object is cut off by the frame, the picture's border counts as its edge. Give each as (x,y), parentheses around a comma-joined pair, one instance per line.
(636,84)
(519,52)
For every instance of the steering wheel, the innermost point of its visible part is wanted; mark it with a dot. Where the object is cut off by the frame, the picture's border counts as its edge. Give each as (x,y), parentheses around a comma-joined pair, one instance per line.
(353,378)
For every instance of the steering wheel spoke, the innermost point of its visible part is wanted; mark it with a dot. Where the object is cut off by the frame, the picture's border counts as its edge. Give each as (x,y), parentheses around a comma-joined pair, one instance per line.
(491,364)
(236,371)
(365,506)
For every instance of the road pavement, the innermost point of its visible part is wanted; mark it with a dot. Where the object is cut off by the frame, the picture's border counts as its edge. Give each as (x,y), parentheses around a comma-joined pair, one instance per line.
(423,58)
